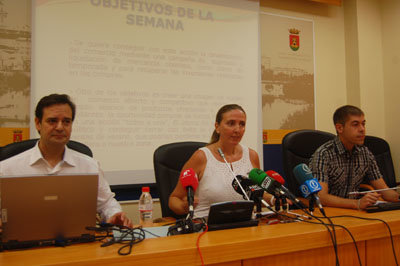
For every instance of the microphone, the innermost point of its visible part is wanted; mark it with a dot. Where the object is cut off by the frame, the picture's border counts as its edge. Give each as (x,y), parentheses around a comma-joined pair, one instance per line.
(309,185)
(279,178)
(286,191)
(190,182)
(253,191)
(273,187)
(276,176)
(233,174)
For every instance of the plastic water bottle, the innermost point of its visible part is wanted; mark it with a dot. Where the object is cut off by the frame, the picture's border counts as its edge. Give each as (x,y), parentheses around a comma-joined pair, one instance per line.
(146,207)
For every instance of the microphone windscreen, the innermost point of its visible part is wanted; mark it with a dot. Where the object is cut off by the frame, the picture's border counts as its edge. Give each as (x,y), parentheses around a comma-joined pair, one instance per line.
(302,173)
(252,190)
(257,175)
(308,184)
(245,182)
(189,178)
(236,187)
(276,176)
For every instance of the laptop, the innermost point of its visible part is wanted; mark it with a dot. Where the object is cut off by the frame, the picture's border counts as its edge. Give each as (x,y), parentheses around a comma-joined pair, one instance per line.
(383,206)
(47,210)
(231,214)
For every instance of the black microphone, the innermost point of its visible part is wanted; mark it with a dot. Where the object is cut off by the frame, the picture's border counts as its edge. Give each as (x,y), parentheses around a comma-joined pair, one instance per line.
(272,186)
(233,174)
(309,185)
(253,191)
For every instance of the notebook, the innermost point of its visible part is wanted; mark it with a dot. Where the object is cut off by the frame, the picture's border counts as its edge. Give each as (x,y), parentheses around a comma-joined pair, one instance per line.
(231,214)
(46,210)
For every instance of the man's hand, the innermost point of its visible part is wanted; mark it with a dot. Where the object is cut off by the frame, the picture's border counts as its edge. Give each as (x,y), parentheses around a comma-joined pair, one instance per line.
(368,200)
(120,218)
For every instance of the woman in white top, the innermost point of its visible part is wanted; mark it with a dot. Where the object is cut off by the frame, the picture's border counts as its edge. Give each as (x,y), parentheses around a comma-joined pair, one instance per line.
(215,179)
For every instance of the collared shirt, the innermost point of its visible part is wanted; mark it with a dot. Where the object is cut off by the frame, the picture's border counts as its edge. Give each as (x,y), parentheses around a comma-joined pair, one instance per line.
(341,170)
(31,162)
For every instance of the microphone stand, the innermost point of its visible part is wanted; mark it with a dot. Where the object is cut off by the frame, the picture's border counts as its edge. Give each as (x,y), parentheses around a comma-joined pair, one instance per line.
(311,203)
(299,216)
(257,202)
(285,208)
(185,226)
(259,213)
(284,204)
(233,174)
(278,203)
(258,205)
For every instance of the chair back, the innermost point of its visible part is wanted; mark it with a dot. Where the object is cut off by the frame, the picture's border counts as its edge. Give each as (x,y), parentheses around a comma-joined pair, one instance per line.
(18,147)
(168,162)
(298,147)
(381,150)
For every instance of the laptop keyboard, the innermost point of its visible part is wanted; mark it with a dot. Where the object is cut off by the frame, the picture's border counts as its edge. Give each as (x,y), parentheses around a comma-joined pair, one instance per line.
(384,206)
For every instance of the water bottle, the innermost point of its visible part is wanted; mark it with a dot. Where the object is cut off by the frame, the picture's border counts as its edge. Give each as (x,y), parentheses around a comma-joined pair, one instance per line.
(146,207)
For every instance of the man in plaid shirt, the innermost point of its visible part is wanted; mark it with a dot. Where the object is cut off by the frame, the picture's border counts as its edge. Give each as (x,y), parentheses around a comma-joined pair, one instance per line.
(343,163)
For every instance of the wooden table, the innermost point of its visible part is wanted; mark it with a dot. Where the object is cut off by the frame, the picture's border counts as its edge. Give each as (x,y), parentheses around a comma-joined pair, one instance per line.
(281,244)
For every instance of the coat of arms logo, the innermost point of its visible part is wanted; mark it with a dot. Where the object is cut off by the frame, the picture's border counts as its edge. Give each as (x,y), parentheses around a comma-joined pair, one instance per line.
(294,39)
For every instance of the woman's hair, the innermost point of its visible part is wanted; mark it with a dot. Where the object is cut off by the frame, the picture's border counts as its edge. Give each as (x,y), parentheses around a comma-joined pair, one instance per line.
(219,116)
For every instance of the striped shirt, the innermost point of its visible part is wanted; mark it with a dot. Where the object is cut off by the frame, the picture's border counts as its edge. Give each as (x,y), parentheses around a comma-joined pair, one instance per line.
(341,170)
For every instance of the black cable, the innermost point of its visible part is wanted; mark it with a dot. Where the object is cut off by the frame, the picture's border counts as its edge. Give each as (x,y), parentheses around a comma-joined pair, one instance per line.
(333,237)
(186,226)
(137,235)
(311,204)
(151,233)
(332,225)
(128,236)
(345,228)
(334,241)
(352,237)
(374,219)
(331,233)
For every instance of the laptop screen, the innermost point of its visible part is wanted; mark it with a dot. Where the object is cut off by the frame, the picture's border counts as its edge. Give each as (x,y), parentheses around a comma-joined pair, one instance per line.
(37,208)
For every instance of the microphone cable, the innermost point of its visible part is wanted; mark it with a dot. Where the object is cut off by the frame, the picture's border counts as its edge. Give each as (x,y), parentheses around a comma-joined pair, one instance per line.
(332,234)
(335,245)
(193,226)
(205,230)
(333,239)
(128,236)
(331,230)
(297,203)
(312,201)
(300,205)
(186,226)
(373,219)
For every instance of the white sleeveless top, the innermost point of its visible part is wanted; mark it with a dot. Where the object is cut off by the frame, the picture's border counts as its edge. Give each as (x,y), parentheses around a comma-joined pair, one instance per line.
(216,183)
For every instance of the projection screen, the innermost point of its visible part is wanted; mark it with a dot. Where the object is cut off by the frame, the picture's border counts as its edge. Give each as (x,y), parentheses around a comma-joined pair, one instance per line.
(146,73)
